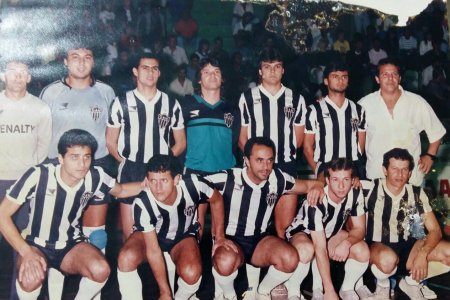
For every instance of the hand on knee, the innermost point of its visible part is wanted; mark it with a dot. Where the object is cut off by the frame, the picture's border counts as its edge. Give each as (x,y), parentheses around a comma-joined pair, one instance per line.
(225,262)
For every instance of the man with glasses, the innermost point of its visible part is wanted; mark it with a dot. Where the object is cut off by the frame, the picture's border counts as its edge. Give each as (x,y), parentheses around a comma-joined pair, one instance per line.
(395,118)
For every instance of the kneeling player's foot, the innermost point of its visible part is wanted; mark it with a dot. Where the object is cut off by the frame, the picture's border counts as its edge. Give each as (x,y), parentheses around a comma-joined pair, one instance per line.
(263,296)
(297,297)
(317,294)
(219,297)
(364,293)
(382,292)
(249,294)
(234,297)
(348,295)
(412,291)
(427,292)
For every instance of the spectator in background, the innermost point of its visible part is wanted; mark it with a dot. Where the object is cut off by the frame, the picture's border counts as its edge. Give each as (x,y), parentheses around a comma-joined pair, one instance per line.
(177,53)
(186,28)
(203,49)
(376,54)
(245,24)
(193,68)
(426,44)
(181,86)
(122,75)
(408,49)
(126,14)
(390,43)
(107,16)
(218,53)
(341,45)
(150,22)
(358,63)
(238,11)
(438,92)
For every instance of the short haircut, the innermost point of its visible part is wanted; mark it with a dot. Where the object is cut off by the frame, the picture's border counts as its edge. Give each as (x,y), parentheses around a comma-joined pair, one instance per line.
(144,55)
(161,163)
(207,61)
(334,66)
(5,61)
(76,137)
(258,140)
(270,55)
(340,164)
(400,154)
(75,42)
(387,61)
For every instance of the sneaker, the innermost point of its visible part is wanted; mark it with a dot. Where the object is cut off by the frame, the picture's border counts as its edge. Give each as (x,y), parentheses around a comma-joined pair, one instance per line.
(194,297)
(234,297)
(412,291)
(249,294)
(218,297)
(364,293)
(348,295)
(297,297)
(262,296)
(382,293)
(427,292)
(317,294)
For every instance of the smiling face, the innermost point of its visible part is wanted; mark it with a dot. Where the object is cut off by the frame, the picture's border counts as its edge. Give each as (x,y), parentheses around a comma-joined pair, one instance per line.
(147,73)
(75,164)
(260,163)
(397,174)
(79,62)
(210,77)
(16,78)
(388,78)
(163,186)
(339,184)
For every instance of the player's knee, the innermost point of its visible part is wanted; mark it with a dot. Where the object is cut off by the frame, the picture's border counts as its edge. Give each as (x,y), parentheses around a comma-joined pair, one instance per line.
(98,238)
(99,270)
(289,260)
(225,262)
(360,252)
(128,260)
(389,260)
(305,252)
(190,272)
(30,285)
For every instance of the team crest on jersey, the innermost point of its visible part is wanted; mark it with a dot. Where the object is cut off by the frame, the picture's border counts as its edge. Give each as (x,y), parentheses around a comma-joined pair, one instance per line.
(85,198)
(228,118)
(96,111)
(189,211)
(289,112)
(347,213)
(163,120)
(355,123)
(271,198)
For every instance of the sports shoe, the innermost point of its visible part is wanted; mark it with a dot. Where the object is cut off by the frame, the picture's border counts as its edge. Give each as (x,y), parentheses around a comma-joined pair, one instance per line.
(412,291)
(317,294)
(297,297)
(427,292)
(382,293)
(364,293)
(249,294)
(262,296)
(348,295)
(194,297)
(219,297)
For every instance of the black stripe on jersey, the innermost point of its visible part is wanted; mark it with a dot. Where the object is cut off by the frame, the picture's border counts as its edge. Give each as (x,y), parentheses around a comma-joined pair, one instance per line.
(335,129)
(17,187)
(245,204)
(137,213)
(127,128)
(203,196)
(311,213)
(164,225)
(39,209)
(156,136)
(387,209)
(57,214)
(227,188)
(181,218)
(193,193)
(371,201)
(355,204)
(142,117)
(323,130)
(349,131)
(281,123)
(265,111)
(340,218)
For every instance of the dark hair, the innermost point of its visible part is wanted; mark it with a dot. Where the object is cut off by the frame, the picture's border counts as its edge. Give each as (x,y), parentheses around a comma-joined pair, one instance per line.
(207,61)
(333,67)
(400,154)
(270,55)
(144,55)
(75,42)
(388,61)
(258,140)
(161,163)
(339,164)
(5,61)
(76,137)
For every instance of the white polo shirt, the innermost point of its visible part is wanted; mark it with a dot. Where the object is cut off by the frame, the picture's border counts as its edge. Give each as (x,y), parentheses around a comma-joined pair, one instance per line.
(411,115)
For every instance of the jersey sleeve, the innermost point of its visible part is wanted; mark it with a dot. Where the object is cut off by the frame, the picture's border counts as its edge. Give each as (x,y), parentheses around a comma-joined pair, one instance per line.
(301,112)
(289,182)
(311,120)
(362,118)
(245,117)
(313,218)
(425,202)
(24,187)
(358,207)
(115,114)
(104,184)
(218,180)
(177,118)
(142,219)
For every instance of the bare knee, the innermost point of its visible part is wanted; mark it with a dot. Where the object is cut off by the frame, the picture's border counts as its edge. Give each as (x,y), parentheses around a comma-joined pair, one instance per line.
(305,252)
(99,270)
(287,259)
(128,260)
(30,285)
(386,261)
(360,252)
(226,261)
(190,272)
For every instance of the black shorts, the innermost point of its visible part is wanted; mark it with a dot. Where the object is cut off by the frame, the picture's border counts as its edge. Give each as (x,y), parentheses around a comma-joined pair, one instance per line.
(130,171)
(402,249)
(55,256)
(288,167)
(247,243)
(166,245)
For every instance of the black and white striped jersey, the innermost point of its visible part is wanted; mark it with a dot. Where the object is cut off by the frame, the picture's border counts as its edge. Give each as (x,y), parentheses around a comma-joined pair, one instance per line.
(56,208)
(389,216)
(327,216)
(335,129)
(274,117)
(172,221)
(249,206)
(145,126)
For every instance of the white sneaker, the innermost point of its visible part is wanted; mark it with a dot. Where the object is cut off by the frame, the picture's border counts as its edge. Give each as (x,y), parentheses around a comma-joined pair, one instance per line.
(412,291)
(219,297)
(262,296)
(317,294)
(364,293)
(297,297)
(194,297)
(382,293)
(348,295)
(249,294)
(427,292)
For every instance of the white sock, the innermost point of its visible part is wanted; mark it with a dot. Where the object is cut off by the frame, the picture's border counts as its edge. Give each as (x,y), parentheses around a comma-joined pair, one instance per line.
(130,285)
(382,278)
(293,283)
(317,279)
(226,283)
(88,289)
(273,278)
(170,270)
(359,283)
(55,284)
(33,295)
(185,291)
(217,289)
(353,271)
(252,276)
